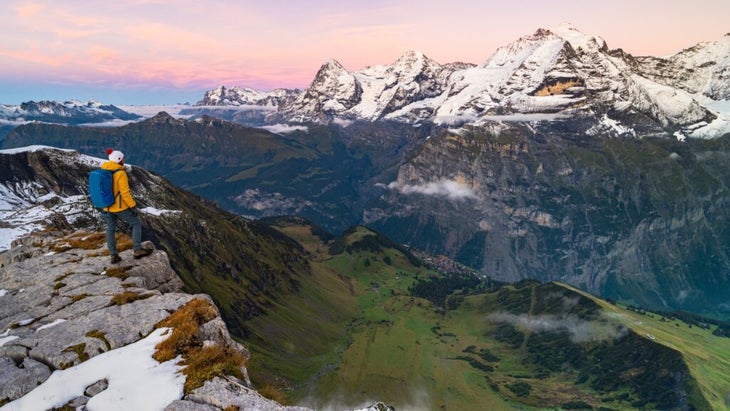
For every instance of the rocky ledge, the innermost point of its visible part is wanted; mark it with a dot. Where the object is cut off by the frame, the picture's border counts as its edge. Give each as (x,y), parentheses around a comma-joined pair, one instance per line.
(63,304)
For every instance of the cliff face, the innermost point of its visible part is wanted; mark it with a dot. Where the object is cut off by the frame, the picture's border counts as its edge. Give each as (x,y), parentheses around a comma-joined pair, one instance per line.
(637,219)
(65,310)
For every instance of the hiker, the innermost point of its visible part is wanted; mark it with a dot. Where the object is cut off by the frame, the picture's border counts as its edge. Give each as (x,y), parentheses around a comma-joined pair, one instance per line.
(124,207)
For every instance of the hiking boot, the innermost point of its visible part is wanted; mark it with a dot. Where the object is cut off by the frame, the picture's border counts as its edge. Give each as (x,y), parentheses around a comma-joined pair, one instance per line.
(116,258)
(142,252)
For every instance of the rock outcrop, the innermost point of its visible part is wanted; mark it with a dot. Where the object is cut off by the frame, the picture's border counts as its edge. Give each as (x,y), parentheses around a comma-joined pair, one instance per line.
(62,303)
(46,187)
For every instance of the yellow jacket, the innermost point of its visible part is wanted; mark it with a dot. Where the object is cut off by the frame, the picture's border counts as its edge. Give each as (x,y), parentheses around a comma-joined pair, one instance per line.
(122,195)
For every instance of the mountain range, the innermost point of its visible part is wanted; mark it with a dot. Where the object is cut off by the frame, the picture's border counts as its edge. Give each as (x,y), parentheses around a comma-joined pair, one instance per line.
(553,73)
(69,112)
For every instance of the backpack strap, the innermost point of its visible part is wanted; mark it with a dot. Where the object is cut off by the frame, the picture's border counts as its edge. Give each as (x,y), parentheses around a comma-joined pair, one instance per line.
(117,193)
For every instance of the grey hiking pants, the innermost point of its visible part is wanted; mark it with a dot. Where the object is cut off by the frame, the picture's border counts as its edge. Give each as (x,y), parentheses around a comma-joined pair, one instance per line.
(129,217)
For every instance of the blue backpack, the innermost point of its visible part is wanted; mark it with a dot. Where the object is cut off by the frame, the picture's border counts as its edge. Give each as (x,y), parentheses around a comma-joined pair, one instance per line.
(101,188)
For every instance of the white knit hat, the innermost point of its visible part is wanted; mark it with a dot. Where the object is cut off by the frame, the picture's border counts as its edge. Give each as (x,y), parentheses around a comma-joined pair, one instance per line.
(114,155)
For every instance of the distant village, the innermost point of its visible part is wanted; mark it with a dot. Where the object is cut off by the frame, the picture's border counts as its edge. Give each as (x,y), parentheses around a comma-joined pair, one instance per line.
(443,263)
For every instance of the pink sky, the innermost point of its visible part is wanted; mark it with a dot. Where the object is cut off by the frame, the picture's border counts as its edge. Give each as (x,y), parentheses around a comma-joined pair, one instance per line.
(165,51)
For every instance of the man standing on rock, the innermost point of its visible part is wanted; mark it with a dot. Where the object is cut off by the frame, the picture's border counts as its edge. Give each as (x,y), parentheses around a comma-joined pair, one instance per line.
(124,207)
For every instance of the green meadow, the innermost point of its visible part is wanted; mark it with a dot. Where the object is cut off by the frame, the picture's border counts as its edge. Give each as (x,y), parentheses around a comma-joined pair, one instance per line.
(707,355)
(355,333)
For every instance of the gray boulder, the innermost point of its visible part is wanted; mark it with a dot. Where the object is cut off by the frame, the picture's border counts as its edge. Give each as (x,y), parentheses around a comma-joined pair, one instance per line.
(225,393)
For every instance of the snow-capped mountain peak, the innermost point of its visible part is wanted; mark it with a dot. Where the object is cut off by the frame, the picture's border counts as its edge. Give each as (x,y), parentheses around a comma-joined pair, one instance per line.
(708,68)
(554,72)
(577,39)
(331,73)
(333,90)
(68,112)
(412,62)
(332,64)
(372,93)
(411,65)
(242,96)
(530,57)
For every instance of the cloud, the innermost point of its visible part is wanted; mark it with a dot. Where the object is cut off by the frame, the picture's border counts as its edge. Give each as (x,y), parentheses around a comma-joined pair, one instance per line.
(568,302)
(445,188)
(522,117)
(579,330)
(682,296)
(284,128)
(342,122)
(110,123)
(414,397)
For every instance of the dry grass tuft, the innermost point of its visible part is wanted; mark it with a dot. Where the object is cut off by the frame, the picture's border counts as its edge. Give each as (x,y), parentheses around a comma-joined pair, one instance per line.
(100,335)
(60,247)
(202,363)
(79,350)
(81,240)
(184,323)
(124,242)
(79,297)
(16,324)
(273,392)
(62,277)
(118,272)
(90,241)
(128,297)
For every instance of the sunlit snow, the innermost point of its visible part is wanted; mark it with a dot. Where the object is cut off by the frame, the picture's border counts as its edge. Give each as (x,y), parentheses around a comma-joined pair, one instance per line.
(159,212)
(24,205)
(49,325)
(136,381)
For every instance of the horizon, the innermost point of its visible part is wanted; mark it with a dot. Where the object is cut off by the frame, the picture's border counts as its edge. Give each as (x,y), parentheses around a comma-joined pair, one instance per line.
(138,53)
